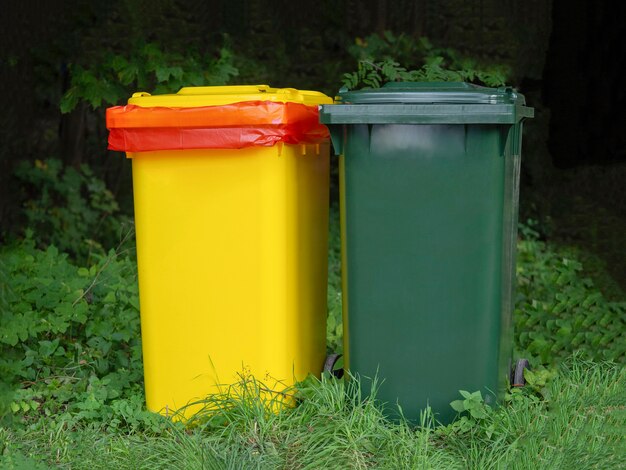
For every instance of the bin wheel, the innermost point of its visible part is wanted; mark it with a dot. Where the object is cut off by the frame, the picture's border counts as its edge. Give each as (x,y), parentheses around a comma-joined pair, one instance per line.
(517,379)
(329,365)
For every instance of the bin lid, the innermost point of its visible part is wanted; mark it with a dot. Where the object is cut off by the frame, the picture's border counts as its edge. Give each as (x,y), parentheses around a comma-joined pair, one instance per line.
(432,92)
(189,97)
(221,117)
(427,103)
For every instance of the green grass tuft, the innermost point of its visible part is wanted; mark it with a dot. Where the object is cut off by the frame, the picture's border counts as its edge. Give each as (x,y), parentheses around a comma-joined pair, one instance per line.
(335,426)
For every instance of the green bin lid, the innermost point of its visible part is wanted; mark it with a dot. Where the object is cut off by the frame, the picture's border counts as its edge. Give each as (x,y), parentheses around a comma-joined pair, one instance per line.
(432,92)
(427,103)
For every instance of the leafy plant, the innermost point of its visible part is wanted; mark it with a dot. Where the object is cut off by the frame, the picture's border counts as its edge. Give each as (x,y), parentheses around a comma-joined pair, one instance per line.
(401,47)
(148,66)
(69,208)
(472,403)
(538,380)
(472,411)
(380,58)
(375,74)
(560,311)
(69,335)
(334,323)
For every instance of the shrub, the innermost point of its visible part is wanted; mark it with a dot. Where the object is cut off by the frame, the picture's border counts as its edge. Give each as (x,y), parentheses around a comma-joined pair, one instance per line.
(112,78)
(69,208)
(69,335)
(560,311)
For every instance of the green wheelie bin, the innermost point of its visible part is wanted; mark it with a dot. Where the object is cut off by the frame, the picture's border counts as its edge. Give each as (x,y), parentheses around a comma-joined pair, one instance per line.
(429,185)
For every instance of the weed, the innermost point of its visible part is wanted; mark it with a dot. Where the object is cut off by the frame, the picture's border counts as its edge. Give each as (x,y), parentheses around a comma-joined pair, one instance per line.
(69,336)
(559,311)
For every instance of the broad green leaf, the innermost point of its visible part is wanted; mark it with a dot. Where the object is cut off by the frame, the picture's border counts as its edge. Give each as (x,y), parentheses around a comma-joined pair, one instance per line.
(457,405)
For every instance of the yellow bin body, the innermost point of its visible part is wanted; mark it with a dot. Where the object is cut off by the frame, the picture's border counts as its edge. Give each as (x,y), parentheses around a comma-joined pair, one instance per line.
(232,258)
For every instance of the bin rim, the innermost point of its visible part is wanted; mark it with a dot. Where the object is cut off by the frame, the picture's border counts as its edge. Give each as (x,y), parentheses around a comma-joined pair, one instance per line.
(238,125)
(424,113)
(200,96)
(431,93)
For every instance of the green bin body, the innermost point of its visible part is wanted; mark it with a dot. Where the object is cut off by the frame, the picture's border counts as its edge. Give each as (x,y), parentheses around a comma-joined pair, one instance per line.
(429,184)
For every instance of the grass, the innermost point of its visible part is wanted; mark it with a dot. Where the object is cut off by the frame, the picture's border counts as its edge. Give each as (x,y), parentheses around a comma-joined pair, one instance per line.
(580,426)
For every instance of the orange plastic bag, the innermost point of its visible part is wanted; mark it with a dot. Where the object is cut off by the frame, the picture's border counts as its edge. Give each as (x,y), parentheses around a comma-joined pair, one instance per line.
(232,126)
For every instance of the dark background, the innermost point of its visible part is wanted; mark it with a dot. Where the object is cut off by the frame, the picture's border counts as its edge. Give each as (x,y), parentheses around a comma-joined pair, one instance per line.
(565,56)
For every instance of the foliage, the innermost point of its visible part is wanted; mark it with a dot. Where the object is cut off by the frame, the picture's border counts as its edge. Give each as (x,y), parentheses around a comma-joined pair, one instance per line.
(560,311)
(146,66)
(538,380)
(334,323)
(334,426)
(473,414)
(375,74)
(473,404)
(69,336)
(585,207)
(18,461)
(69,208)
(402,47)
(391,58)
(580,425)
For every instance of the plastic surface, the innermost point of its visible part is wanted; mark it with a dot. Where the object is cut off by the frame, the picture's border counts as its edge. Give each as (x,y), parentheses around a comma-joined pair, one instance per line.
(429,217)
(188,97)
(430,92)
(232,262)
(428,103)
(134,128)
(217,117)
(232,258)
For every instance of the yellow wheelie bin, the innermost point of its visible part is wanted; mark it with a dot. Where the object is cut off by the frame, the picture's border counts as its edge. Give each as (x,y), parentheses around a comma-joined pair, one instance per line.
(231,214)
